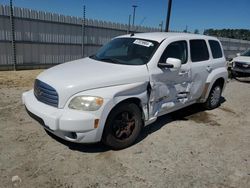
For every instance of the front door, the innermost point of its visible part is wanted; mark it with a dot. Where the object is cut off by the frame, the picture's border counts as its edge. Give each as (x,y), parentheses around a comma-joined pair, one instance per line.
(170,87)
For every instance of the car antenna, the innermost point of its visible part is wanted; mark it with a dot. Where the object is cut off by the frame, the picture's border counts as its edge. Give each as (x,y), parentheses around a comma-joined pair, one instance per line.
(133,32)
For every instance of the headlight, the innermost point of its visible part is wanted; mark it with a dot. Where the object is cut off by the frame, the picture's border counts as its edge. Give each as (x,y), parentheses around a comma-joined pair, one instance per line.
(86,103)
(233,64)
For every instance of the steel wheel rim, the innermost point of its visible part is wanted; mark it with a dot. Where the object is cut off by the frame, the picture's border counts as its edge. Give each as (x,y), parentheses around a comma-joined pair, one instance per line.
(124,125)
(215,98)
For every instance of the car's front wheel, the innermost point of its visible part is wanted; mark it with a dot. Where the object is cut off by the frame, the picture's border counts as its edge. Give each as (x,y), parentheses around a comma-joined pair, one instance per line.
(123,126)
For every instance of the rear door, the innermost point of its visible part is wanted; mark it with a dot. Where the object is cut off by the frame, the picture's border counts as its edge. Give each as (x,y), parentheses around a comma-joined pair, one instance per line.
(200,67)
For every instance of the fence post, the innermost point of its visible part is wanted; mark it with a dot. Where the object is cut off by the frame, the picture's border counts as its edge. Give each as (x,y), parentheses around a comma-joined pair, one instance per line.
(13,36)
(83,30)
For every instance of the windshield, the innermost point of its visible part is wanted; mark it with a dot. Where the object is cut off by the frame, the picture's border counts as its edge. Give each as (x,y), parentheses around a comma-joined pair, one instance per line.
(246,53)
(127,51)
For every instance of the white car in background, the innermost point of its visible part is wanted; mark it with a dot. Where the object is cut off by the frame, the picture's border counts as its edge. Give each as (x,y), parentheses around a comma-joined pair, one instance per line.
(128,84)
(240,65)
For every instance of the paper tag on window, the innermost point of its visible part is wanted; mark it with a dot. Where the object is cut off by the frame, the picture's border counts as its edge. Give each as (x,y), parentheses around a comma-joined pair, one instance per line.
(143,43)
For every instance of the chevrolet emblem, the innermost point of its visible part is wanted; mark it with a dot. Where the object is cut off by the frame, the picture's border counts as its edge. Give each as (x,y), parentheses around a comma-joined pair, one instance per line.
(38,91)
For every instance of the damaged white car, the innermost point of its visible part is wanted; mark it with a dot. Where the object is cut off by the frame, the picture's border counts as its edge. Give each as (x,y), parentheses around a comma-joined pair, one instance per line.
(126,85)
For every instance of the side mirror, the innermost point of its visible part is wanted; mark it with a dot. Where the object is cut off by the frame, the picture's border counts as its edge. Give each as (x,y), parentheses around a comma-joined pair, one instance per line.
(171,63)
(238,54)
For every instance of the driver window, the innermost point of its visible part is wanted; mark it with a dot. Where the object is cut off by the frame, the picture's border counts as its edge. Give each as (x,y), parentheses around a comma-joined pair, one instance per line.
(176,50)
(119,51)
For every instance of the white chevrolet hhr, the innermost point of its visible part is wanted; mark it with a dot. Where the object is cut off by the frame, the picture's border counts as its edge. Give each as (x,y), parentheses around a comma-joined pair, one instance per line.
(126,85)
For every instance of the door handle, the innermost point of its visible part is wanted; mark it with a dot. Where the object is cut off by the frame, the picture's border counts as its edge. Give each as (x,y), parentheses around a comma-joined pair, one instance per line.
(181,73)
(209,69)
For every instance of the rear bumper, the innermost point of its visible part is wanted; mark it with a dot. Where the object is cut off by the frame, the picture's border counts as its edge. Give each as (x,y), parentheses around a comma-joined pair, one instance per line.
(71,125)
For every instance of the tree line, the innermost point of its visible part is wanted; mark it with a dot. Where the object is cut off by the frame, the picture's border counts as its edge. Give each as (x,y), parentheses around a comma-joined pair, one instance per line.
(243,34)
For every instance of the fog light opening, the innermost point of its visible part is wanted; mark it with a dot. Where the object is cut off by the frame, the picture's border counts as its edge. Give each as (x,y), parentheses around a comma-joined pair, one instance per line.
(71,135)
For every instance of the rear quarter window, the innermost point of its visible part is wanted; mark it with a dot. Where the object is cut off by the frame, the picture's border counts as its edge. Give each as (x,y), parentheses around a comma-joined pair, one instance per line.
(215,48)
(199,50)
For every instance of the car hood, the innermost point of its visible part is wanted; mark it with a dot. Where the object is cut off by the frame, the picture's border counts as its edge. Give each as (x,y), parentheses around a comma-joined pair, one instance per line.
(85,74)
(243,59)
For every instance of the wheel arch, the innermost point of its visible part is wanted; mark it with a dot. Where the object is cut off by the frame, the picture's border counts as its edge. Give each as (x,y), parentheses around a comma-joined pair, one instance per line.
(132,93)
(135,100)
(209,85)
(220,81)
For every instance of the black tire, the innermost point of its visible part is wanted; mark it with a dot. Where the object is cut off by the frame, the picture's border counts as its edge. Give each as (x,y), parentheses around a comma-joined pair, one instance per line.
(119,133)
(214,98)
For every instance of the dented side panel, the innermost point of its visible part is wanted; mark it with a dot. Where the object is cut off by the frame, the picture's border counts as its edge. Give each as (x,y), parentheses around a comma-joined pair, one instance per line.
(171,88)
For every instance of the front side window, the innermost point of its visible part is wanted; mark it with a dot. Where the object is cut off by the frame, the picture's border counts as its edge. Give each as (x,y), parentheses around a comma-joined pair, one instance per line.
(199,50)
(215,48)
(127,51)
(176,50)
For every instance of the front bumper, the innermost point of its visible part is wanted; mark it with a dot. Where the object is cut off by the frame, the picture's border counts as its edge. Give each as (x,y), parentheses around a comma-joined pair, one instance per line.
(71,125)
(244,72)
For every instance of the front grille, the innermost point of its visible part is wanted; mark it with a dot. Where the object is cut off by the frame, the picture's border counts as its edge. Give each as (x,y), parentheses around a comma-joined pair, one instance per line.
(45,93)
(242,65)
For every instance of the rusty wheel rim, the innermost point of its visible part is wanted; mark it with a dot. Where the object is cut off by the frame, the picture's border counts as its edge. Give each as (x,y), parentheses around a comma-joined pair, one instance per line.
(124,125)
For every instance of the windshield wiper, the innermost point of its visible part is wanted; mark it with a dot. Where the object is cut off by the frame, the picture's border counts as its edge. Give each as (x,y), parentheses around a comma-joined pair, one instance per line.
(111,60)
(93,56)
(106,59)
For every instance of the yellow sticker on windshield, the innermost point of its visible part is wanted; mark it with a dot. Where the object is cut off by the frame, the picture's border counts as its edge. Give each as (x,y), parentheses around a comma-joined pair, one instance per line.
(143,43)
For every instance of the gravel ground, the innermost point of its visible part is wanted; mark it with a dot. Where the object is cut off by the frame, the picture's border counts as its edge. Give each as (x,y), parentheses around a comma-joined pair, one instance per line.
(188,148)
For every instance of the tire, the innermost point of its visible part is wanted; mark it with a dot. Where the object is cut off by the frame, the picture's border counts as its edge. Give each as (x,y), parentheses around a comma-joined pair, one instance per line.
(214,98)
(123,126)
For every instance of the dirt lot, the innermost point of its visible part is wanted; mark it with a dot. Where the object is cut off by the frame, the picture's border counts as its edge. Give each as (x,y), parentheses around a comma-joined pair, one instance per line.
(189,148)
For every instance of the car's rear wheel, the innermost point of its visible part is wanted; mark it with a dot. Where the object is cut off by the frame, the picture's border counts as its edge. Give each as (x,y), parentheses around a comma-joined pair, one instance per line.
(214,98)
(123,126)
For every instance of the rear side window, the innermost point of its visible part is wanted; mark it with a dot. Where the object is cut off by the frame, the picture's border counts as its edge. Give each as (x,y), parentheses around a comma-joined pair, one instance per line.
(199,50)
(215,48)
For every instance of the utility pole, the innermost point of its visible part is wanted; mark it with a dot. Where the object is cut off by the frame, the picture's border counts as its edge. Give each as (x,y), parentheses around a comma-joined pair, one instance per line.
(83,29)
(168,15)
(161,26)
(13,35)
(129,20)
(134,7)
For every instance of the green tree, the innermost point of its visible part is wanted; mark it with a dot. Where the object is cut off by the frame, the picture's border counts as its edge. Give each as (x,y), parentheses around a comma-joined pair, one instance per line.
(243,34)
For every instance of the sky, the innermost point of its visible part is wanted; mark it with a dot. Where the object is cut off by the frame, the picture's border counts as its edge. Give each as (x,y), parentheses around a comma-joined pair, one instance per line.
(193,14)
